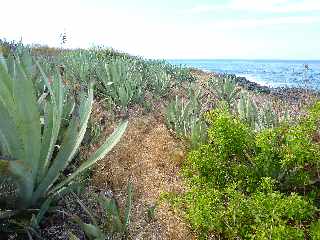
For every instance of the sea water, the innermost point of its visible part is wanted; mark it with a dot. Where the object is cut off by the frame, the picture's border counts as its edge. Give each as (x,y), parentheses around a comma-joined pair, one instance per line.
(272,73)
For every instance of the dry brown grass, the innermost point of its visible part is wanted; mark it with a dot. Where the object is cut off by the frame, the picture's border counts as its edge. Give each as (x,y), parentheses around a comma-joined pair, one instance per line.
(149,157)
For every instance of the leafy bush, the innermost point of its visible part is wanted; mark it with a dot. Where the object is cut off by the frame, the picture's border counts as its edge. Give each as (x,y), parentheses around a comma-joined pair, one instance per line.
(251,185)
(230,137)
(231,214)
(315,230)
(290,155)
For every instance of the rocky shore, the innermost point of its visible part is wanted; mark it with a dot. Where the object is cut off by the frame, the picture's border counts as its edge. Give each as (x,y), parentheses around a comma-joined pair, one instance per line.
(252,86)
(278,91)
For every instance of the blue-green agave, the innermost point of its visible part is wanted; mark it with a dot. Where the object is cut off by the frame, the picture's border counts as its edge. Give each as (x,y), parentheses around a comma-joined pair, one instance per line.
(35,146)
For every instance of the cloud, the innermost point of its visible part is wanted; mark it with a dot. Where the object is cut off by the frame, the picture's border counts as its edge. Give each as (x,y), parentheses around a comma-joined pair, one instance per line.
(270,6)
(271,21)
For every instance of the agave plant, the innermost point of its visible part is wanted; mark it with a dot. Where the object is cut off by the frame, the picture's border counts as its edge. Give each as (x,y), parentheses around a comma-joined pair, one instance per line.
(121,83)
(225,88)
(29,135)
(260,119)
(184,117)
(268,118)
(159,81)
(79,65)
(113,224)
(247,110)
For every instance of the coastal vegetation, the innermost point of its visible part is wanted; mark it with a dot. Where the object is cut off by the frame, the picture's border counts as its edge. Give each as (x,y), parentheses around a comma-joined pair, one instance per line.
(98,144)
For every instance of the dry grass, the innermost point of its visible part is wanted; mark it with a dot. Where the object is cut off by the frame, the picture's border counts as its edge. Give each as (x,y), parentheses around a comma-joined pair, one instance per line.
(149,157)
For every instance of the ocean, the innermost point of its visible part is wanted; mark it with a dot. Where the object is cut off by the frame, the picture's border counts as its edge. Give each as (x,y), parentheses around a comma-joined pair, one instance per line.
(272,73)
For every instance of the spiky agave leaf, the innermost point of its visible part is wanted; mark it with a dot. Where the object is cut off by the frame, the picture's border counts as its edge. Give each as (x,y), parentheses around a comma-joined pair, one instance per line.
(22,139)
(122,82)
(247,110)
(225,88)
(268,117)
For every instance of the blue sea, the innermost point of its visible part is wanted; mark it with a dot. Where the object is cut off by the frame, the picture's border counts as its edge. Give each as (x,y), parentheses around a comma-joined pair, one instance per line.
(272,73)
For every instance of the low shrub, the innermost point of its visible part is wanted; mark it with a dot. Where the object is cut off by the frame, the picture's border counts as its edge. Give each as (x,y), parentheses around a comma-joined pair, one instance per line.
(249,185)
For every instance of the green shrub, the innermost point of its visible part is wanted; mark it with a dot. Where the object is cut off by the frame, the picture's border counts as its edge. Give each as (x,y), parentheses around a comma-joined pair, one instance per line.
(315,230)
(301,157)
(231,138)
(268,153)
(229,213)
(290,155)
(254,185)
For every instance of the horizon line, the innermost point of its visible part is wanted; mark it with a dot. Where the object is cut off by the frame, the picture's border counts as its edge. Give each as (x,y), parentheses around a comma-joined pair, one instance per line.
(237,59)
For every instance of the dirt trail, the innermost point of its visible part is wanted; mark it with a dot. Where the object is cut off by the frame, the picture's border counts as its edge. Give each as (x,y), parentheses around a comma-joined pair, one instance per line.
(150,157)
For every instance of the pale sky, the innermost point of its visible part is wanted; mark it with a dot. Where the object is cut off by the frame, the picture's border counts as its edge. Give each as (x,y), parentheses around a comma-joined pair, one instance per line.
(175,29)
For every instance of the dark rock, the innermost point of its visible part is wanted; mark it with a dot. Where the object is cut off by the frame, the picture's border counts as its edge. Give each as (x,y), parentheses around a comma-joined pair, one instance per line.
(252,86)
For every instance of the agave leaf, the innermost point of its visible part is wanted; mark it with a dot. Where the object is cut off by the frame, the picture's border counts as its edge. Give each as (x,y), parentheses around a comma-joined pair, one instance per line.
(11,145)
(91,231)
(49,136)
(70,145)
(87,211)
(5,87)
(9,135)
(23,139)
(112,213)
(27,119)
(53,117)
(43,209)
(112,140)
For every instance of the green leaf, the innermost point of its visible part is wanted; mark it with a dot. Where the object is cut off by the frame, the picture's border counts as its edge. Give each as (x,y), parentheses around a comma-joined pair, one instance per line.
(112,140)
(69,146)
(27,119)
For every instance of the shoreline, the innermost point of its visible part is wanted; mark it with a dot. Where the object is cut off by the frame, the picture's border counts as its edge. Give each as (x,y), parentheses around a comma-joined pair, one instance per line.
(256,87)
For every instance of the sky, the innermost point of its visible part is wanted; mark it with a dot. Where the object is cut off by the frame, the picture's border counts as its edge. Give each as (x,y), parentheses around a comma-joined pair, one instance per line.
(171,29)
